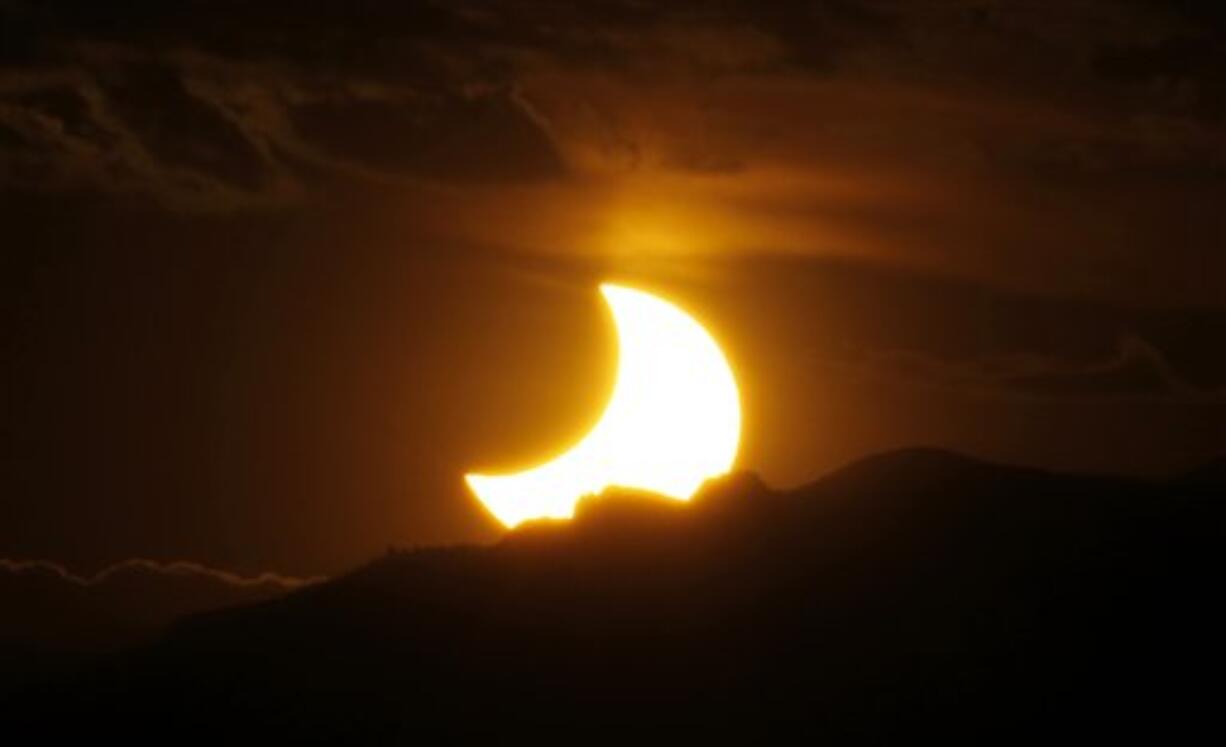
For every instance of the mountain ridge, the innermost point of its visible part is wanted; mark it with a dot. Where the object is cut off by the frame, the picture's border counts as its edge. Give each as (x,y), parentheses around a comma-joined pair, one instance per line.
(914,592)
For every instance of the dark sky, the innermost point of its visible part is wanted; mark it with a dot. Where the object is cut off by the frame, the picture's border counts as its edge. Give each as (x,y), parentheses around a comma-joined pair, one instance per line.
(274,275)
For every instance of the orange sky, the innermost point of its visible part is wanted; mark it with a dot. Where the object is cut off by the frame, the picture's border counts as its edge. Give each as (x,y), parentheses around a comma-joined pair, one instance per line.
(272,287)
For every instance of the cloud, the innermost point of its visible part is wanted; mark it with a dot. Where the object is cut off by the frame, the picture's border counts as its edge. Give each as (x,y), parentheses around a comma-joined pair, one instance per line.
(1055,146)
(130,127)
(177,112)
(173,569)
(1135,371)
(481,137)
(47,605)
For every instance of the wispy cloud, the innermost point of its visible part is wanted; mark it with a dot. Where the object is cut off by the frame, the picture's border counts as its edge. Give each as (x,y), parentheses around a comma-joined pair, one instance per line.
(1034,146)
(178,568)
(1136,370)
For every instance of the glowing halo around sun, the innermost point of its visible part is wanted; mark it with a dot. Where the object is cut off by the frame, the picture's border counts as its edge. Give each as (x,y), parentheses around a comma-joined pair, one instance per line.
(673,421)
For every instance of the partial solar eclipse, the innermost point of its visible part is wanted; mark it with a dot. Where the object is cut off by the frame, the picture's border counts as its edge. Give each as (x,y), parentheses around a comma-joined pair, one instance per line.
(674,420)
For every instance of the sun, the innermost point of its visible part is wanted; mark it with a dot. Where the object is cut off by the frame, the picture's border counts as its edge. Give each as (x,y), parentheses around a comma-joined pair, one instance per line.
(673,421)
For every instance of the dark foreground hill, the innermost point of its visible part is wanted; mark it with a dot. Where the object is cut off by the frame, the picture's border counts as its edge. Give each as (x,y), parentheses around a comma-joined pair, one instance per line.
(912,595)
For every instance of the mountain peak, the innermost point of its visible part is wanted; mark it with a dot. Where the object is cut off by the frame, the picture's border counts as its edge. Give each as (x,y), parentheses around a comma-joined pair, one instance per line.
(912,590)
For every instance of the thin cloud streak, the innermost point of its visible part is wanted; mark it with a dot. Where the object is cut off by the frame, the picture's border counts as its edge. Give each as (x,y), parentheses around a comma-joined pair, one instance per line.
(1036,376)
(177,568)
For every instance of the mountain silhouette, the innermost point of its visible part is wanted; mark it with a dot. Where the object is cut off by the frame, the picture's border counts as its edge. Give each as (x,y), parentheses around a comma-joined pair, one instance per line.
(912,594)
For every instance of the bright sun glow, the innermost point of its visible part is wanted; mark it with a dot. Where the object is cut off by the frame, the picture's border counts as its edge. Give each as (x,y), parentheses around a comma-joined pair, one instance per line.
(674,420)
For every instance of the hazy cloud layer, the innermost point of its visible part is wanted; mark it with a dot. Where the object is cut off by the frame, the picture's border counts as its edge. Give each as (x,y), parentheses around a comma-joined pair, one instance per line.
(1137,371)
(1059,145)
(173,569)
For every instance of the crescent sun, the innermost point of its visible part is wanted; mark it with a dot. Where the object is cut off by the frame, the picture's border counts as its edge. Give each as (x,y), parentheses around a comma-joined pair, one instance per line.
(673,421)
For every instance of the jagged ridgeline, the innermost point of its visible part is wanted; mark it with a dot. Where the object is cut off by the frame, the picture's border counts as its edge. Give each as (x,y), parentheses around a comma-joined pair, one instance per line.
(912,594)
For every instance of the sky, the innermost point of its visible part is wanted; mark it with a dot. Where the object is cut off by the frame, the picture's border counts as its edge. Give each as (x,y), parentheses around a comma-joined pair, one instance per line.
(274,277)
